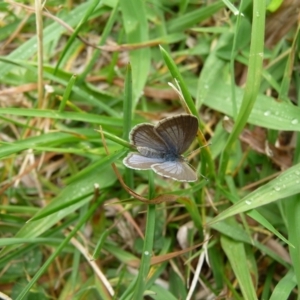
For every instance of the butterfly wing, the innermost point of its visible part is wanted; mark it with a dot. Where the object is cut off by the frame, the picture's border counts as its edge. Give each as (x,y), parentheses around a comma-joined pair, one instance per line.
(178,132)
(177,170)
(137,161)
(172,135)
(143,135)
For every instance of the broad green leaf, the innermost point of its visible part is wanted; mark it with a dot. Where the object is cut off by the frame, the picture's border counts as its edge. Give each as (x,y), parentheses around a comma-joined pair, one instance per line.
(285,185)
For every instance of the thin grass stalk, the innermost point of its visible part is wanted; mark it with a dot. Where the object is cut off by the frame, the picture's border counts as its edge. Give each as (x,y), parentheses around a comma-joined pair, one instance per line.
(148,243)
(39,33)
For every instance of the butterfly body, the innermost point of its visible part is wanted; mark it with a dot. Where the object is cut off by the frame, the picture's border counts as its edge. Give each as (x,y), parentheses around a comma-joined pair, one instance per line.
(168,156)
(160,147)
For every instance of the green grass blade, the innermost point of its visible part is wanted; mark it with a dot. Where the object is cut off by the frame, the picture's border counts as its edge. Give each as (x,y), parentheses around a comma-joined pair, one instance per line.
(136,28)
(285,185)
(253,79)
(238,260)
(29,48)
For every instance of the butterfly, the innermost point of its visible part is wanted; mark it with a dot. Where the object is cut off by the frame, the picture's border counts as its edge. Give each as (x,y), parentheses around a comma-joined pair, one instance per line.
(160,147)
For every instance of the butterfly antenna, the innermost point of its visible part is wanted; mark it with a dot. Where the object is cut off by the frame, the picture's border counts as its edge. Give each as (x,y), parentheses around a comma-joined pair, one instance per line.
(196,151)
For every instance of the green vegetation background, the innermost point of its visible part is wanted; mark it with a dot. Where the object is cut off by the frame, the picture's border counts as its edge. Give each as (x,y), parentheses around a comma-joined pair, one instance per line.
(70,229)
